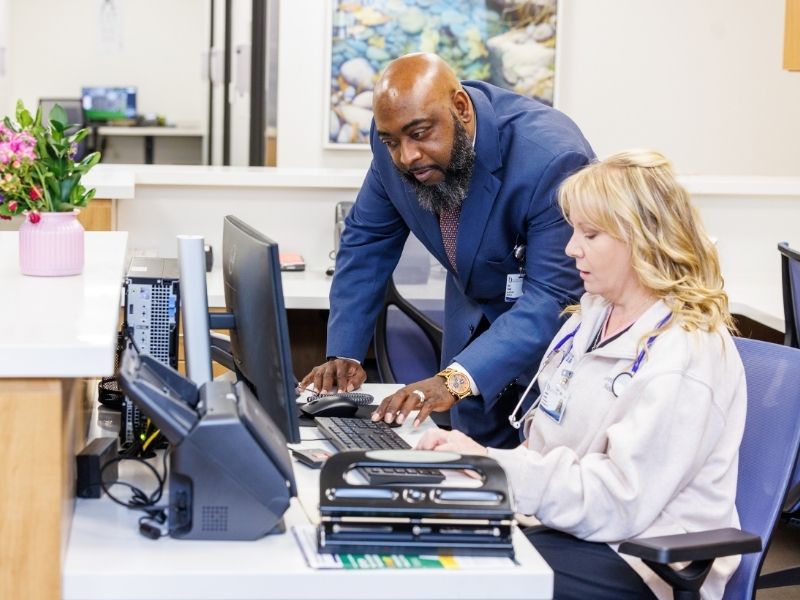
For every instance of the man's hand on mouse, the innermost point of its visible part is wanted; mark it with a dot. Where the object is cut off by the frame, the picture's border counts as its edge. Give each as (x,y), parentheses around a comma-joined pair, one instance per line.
(336,375)
(427,396)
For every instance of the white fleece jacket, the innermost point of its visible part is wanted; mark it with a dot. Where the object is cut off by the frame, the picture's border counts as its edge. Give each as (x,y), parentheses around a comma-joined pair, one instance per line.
(660,459)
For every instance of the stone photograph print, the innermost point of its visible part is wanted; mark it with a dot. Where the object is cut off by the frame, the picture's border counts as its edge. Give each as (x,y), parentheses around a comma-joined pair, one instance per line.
(510,43)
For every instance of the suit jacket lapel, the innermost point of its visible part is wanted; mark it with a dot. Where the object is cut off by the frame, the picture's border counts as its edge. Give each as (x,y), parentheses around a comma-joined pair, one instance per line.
(482,190)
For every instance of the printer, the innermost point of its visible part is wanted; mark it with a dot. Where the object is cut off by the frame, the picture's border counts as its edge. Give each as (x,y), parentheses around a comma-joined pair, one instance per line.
(230,475)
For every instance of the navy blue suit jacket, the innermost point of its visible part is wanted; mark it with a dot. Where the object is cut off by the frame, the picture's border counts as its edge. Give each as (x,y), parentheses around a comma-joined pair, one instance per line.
(524,149)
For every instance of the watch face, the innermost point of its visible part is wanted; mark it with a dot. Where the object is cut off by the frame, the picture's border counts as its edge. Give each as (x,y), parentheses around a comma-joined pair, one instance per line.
(459,383)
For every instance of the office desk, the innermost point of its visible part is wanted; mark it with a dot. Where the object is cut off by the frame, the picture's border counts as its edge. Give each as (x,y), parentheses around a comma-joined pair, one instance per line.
(149,134)
(107,559)
(55,330)
(309,289)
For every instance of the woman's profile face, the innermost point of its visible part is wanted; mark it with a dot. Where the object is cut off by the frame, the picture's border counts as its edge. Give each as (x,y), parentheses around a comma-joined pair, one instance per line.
(603,261)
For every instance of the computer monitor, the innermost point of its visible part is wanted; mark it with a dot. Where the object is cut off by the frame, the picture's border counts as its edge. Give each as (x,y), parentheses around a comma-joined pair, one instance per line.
(109,103)
(260,335)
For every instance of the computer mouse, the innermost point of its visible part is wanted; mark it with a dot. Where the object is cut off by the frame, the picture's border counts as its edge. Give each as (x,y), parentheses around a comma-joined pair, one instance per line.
(331,405)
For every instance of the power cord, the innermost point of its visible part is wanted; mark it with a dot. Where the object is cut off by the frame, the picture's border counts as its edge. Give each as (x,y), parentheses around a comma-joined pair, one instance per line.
(150,524)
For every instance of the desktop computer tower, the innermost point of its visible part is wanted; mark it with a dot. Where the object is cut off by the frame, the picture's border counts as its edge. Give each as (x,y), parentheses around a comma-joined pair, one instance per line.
(152,315)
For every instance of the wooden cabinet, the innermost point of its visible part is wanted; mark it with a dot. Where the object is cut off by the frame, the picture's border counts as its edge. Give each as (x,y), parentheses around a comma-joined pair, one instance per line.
(791,40)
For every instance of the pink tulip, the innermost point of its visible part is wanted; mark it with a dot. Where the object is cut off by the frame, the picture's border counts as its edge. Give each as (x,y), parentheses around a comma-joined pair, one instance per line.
(35,194)
(34,217)
(12,206)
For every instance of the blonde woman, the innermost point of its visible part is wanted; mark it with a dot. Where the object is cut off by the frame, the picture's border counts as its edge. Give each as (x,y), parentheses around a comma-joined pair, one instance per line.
(637,428)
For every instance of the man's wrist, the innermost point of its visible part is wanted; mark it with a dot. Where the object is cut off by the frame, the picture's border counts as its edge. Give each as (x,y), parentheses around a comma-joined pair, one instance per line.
(355,360)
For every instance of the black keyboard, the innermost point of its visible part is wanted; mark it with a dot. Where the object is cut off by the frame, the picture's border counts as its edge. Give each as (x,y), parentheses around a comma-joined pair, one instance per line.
(363,434)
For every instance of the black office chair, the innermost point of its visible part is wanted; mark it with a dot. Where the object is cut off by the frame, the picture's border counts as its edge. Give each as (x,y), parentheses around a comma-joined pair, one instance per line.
(408,335)
(767,459)
(75,117)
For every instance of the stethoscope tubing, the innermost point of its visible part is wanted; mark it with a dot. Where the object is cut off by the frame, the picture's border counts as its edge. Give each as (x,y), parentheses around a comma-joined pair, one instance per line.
(517,423)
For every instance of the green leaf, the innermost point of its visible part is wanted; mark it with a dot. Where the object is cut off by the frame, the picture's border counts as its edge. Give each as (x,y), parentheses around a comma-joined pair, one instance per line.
(66,188)
(87,196)
(78,136)
(91,160)
(58,115)
(57,127)
(23,116)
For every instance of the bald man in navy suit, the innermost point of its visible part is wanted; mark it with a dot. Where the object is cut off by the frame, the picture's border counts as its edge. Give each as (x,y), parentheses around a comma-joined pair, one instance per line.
(472,170)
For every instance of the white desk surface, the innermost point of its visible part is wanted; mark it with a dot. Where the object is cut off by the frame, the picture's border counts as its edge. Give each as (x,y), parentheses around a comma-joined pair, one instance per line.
(107,559)
(134,131)
(309,289)
(61,326)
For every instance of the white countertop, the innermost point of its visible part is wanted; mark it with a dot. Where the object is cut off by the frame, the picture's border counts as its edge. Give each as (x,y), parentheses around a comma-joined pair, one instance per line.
(201,175)
(61,326)
(108,178)
(107,559)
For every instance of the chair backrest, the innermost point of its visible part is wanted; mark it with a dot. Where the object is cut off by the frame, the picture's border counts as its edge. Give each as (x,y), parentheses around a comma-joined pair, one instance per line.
(769,448)
(408,332)
(790,267)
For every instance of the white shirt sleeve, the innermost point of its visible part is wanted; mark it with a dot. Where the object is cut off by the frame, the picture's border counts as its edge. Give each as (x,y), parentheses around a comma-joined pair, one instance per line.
(474,391)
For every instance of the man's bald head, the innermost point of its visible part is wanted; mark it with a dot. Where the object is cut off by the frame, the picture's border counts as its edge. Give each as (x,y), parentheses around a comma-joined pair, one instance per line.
(418,78)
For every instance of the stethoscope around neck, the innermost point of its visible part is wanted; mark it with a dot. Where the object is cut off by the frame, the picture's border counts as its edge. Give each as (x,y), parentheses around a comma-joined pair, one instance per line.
(617,384)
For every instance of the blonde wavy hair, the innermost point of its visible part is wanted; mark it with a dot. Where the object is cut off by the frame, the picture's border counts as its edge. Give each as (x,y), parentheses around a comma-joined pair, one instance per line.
(634,197)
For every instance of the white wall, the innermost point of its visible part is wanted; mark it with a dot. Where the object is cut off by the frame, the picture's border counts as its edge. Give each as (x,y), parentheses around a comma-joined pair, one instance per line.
(4,80)
(699,80)
(54,50)
(301,89)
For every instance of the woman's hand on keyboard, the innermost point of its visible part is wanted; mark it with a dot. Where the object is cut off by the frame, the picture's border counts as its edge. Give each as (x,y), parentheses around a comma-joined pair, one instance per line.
(451,441)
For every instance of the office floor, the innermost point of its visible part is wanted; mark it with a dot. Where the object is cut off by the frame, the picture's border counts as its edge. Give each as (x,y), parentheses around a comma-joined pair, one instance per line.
(783,553)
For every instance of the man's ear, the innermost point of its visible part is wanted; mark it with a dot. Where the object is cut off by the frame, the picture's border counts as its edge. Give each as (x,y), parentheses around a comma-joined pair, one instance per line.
(462,106)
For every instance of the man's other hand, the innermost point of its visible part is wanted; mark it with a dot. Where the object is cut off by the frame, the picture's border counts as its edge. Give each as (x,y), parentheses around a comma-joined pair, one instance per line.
(427,396)
(338,374)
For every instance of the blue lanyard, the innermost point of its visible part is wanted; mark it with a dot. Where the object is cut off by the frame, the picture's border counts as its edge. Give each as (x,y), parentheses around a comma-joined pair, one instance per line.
(647,345)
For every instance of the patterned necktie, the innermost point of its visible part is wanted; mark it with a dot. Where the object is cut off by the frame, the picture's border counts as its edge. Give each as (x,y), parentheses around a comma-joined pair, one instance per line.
(448,222)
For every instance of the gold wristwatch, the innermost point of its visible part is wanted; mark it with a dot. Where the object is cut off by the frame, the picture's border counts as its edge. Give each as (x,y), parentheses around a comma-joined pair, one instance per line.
(457,383)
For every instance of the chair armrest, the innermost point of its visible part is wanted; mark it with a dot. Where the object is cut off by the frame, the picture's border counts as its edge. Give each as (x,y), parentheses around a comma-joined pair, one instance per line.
(701,545)
(699,549)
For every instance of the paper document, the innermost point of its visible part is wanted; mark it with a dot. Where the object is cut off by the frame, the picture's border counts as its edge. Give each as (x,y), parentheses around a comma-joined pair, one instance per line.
(307,540)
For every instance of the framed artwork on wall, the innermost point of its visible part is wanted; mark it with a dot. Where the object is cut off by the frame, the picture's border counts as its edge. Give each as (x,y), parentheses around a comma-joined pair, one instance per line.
(510,43)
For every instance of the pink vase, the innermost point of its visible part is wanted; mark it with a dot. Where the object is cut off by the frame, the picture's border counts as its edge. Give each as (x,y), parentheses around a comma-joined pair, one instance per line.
(52,247)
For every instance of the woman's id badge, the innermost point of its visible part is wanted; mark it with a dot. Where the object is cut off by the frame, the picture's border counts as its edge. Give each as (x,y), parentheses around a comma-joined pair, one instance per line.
(513,286)
(555,396)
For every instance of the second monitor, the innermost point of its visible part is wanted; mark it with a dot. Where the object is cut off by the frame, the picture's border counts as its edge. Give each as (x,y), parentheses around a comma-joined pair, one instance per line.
(102,104)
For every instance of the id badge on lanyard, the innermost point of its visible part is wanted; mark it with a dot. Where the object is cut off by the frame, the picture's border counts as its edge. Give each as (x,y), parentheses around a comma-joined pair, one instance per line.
(555,394)
(514,280)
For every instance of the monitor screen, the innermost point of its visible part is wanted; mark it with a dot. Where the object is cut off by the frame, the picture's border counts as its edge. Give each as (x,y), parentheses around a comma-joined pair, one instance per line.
(109,103)
(260,337)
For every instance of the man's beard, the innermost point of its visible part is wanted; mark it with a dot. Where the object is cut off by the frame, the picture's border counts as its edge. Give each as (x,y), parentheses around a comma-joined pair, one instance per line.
(450,193)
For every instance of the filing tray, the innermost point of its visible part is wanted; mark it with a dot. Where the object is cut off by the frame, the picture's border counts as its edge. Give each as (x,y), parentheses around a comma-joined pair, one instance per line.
(414,519)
